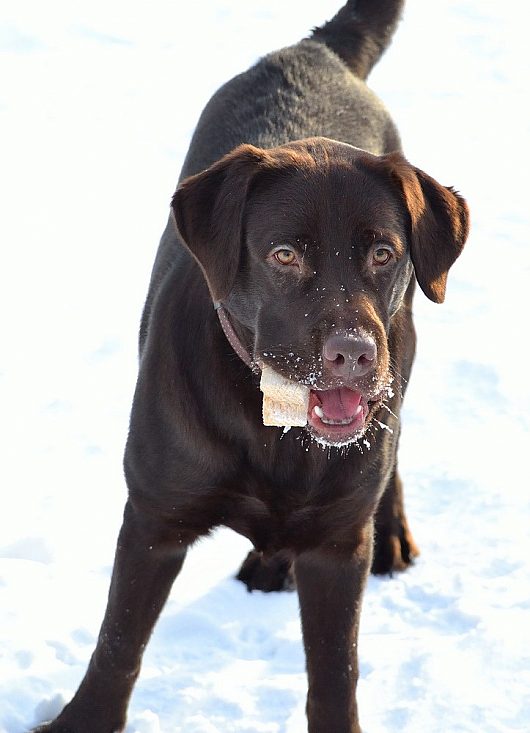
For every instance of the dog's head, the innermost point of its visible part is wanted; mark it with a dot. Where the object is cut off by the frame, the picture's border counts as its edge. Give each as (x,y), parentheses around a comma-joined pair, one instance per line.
(311,247)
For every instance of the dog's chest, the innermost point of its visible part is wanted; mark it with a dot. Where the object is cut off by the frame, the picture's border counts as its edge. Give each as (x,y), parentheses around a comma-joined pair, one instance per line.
(293,498)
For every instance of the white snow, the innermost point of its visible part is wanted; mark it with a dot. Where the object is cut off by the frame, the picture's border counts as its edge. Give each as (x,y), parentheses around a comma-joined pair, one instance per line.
(97,103)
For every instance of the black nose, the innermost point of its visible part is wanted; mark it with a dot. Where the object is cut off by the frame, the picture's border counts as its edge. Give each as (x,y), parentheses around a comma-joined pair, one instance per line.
(349,354)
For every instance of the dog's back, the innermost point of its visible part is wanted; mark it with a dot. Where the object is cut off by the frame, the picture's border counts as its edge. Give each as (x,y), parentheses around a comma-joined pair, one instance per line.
(314,88)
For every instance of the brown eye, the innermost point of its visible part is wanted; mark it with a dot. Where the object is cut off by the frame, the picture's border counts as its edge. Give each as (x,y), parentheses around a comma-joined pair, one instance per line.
(285,256)
(381,256)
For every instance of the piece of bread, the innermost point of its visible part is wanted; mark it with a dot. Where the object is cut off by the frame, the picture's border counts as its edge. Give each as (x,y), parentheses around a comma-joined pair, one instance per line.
(285,402)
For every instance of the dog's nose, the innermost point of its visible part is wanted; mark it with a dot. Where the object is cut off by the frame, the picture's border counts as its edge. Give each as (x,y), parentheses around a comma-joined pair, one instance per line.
(349,354)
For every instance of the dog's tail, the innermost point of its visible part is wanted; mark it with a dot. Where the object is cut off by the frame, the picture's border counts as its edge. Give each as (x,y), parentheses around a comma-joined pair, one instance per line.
(361,32)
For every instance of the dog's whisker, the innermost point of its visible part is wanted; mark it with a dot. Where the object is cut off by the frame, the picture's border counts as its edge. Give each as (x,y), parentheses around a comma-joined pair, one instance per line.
(395,371)
(383,404)
(383,425)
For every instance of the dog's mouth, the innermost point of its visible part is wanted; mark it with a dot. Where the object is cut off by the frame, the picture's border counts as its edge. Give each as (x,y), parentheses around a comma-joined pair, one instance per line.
(339,416)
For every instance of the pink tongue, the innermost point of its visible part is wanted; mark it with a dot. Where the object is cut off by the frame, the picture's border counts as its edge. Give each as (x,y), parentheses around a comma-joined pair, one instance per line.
(340,403)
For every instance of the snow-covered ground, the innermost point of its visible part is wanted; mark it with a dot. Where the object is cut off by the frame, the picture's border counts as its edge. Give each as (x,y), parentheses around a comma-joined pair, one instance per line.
(97,103)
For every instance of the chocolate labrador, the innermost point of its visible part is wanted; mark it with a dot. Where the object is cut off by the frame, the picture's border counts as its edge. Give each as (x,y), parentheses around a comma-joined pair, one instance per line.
(295,240)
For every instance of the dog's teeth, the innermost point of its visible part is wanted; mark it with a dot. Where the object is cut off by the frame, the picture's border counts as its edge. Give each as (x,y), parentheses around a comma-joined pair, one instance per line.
(319,412)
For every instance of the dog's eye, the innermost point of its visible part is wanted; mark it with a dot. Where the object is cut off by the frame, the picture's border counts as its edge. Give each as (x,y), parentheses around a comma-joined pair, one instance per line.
(382,256)
(285,256)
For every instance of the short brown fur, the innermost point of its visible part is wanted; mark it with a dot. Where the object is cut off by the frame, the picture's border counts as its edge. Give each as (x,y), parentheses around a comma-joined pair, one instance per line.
(262,173)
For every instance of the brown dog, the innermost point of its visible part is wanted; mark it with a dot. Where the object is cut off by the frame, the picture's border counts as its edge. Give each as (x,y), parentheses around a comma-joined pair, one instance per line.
(309,248)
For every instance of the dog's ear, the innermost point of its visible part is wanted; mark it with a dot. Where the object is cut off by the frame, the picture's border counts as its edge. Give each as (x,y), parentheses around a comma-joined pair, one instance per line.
(208,211)
(439,220)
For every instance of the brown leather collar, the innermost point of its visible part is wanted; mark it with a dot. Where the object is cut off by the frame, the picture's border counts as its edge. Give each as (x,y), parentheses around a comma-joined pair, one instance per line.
(232,337)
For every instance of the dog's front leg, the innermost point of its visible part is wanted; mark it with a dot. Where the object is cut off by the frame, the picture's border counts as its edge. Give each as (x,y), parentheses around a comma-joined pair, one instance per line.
(146,563)
(330,584)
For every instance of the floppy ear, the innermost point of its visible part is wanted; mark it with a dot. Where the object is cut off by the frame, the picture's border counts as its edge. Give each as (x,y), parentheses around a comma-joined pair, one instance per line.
(439,225)
(208,211)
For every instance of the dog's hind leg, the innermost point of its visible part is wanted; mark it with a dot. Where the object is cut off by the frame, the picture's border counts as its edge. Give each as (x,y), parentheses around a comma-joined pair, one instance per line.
(267,573)
(394,547)
(148,558)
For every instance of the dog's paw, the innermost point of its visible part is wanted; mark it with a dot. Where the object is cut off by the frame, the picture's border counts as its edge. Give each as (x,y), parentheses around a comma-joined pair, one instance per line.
(393,550)
(55,726)
(85,724)
(267,574)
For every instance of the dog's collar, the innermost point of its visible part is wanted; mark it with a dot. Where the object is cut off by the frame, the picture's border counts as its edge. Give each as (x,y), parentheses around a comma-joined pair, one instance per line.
(232,337)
